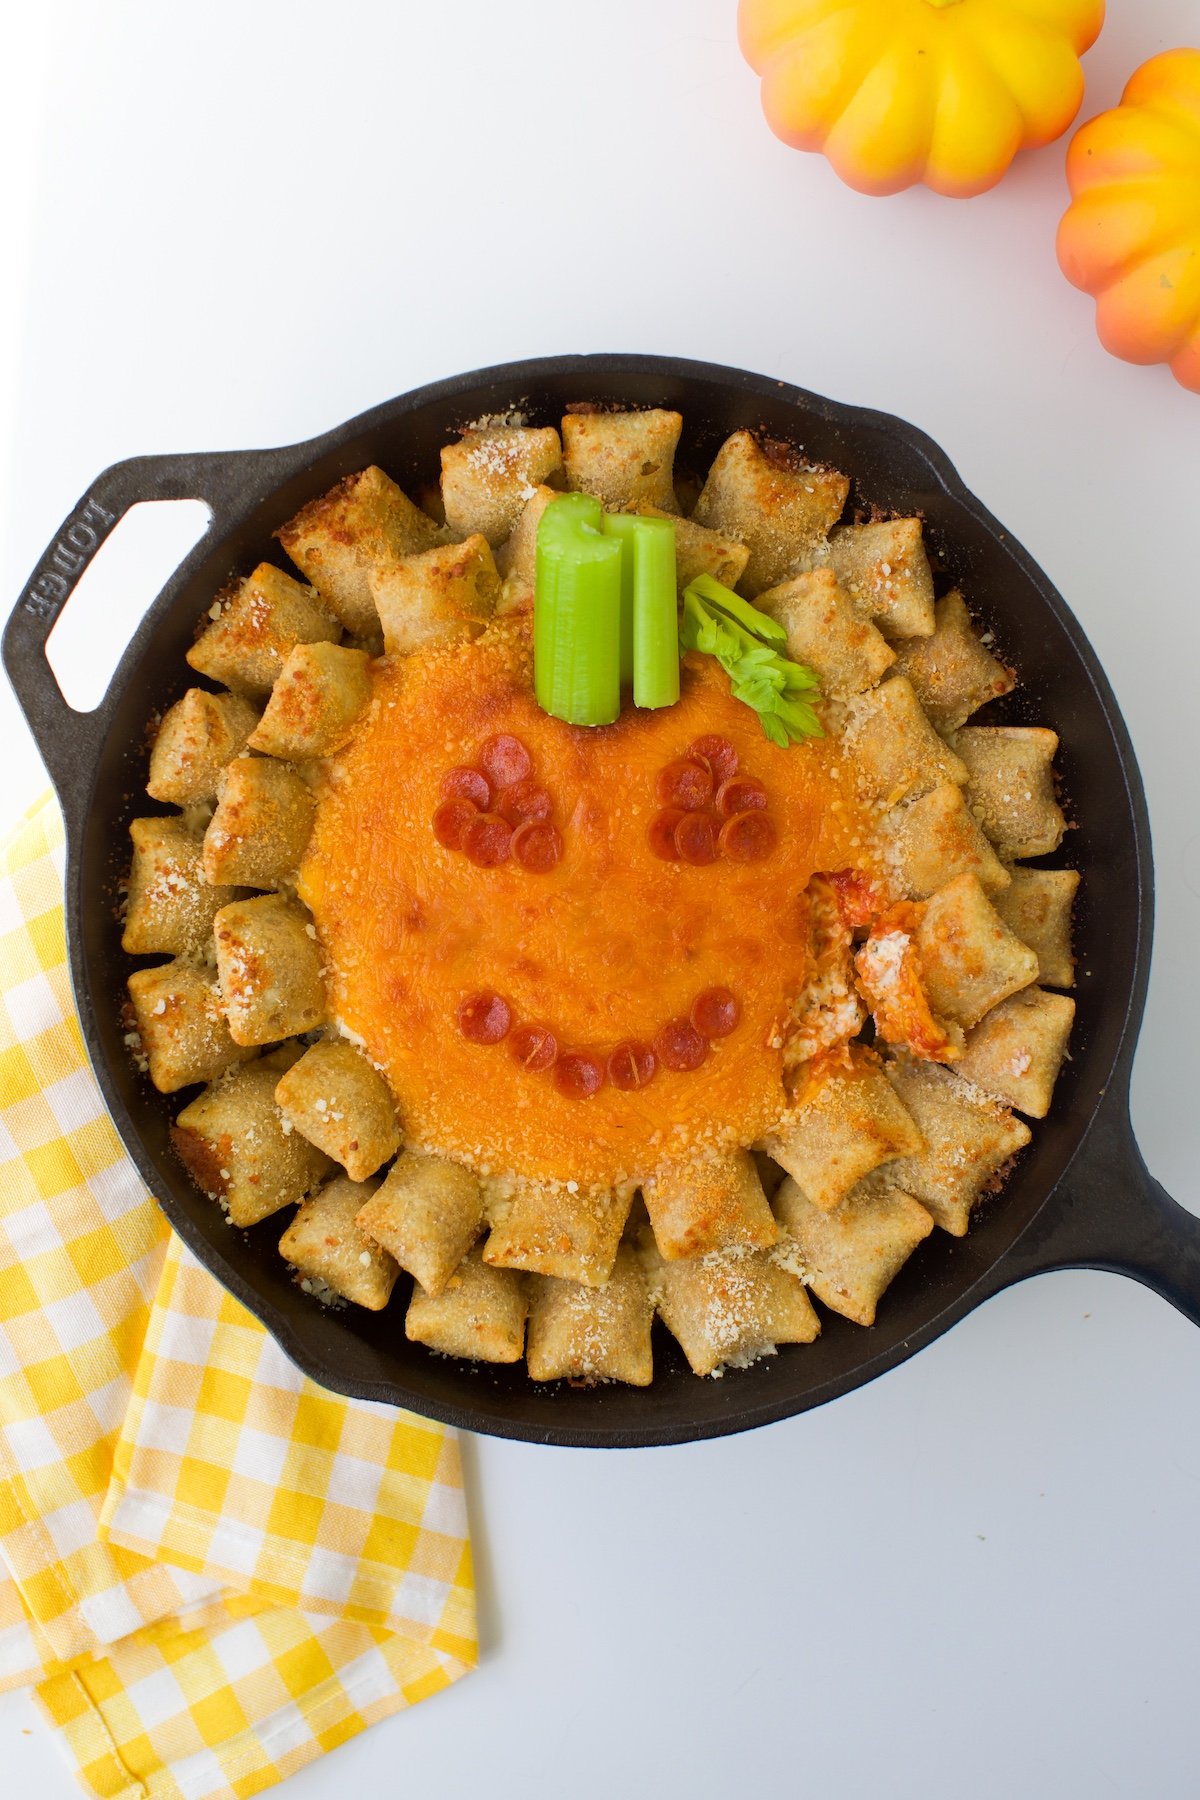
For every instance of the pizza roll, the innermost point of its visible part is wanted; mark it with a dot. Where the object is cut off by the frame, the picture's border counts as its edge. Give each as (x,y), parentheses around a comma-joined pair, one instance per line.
(479,1313)
(170,906)
(731,1307)
(551,1232)
(342,1104)
(929,841)
(780,507)
(952,673)
(968,1141)
(1037,906)
(198,736)
(428,1213)
(625,460)
(699,551)
(269,968)
(850,1255)
(969,960)
(590,1334)
(182,1027)
(365,522)
(845,1122)
(439,597)
(1011,786)
(326,1247)
(884,569)
(824,631)
(232,1142)
(261,827)
(896,752)
(487,477)
(1015,1052)
(516,559)
(254,625)
(709,1201)
(315,704)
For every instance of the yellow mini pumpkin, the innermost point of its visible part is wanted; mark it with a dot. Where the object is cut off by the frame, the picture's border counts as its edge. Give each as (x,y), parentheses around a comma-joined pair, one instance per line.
(900,91)
(1131,235)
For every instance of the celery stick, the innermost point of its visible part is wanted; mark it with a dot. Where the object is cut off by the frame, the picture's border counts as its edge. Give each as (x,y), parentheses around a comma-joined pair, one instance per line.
(577,614)
(650,609)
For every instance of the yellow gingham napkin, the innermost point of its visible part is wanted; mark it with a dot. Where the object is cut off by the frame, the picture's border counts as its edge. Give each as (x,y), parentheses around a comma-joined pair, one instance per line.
(211,1570)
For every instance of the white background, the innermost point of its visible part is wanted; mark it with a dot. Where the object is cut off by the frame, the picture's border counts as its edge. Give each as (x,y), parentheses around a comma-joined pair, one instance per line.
(237,224)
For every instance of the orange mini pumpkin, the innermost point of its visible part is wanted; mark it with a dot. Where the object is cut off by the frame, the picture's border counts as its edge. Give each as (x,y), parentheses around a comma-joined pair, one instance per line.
(1131,235)
(895,92)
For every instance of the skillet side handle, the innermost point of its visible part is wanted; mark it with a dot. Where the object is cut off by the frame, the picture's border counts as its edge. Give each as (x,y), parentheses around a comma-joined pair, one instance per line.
(69,740)
(1109,1212)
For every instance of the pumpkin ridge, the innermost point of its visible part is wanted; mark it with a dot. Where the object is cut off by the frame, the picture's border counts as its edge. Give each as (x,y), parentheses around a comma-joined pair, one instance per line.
(1046,43)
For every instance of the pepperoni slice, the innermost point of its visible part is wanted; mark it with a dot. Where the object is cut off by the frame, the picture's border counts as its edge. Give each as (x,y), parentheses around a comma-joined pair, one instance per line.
(696,839)
(523,801)
(741,793)
(718,753)
(662,833)
(485,1017)
(680,1046)
(748,837)
(579,1074)
(486,839)
(684,784)
(535,1047)
(715,1012)
(537,846)
(467,784)
(505,760)
(450,821)
(631,1066)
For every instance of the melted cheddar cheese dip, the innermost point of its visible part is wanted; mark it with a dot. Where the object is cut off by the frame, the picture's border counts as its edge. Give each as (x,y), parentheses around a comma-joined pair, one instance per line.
(607,946)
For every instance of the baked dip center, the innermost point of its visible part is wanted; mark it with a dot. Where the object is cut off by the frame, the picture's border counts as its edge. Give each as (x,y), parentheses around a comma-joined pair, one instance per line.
(603,949)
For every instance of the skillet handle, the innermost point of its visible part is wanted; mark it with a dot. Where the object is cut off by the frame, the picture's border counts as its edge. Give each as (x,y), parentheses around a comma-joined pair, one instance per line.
(69,740)
(1109,1212)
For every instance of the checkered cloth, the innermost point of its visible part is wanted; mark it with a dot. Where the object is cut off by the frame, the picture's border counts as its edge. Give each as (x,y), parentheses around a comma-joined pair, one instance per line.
(211,1570)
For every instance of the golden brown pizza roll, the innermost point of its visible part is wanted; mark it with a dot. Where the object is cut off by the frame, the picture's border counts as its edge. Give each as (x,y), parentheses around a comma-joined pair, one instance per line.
(488,476)
(170,905)
(254,625)
(625,459)
(728,1309)
(327,1248)
(896,753)
(341,1103)
(969,959)
(824,631)
(592,1334)
(366,522)
(884,569)
(845,1122)
(699,551)
(1037,906)
(479,1314)
(181,1024)
(439,597)
(1016,1051)
(850,1255)
(516,559)
(315,704)
(198,736)
(427,1213)
(928,842)
(259,831)
(968,1141)
(269,968)
(952,672)
(771,500)
(708,1201)
(232,1142)
(547,1230)
(1011,786)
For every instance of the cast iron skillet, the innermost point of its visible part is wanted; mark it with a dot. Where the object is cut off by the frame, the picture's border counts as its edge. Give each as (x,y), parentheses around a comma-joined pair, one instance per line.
(1081,1196)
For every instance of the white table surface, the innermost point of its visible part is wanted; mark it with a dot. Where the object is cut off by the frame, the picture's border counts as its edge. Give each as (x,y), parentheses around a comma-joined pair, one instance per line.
(236,225)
